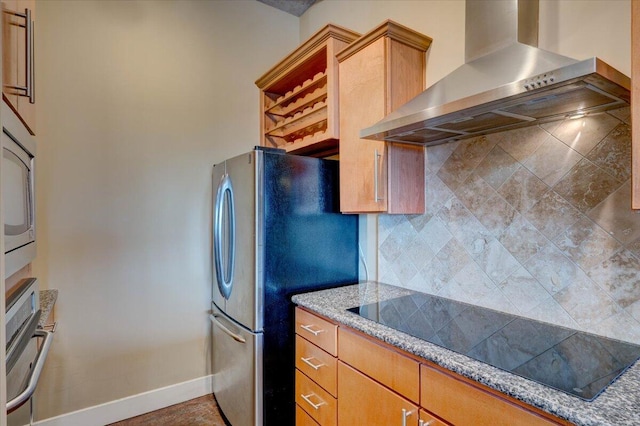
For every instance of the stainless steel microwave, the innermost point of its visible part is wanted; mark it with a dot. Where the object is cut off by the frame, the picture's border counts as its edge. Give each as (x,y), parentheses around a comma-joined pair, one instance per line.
(18,192)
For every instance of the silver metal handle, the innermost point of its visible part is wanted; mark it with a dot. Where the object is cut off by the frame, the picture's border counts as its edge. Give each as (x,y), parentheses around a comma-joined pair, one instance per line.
(31,90)
(310,364)
(423,423)
(28,90)
(224,199)
(34,375)
(234,336)
(376,163)
(405,415)
(310,330)
(308,399)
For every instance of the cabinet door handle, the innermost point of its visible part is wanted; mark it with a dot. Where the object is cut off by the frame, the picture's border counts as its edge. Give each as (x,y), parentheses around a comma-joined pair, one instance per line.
(405,414)
(308,399)
(311,330)
(423,423)
(29,77)
(310,364)
(376,163)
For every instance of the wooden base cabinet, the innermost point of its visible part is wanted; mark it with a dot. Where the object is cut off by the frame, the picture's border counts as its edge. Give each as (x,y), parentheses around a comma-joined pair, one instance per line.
(362,401)
(374,384)
(18,59)
(460,402)
(379,72)
(427,419)
(316,370)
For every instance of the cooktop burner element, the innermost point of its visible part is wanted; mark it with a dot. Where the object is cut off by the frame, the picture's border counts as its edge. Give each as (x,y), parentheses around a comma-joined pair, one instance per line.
(575,362)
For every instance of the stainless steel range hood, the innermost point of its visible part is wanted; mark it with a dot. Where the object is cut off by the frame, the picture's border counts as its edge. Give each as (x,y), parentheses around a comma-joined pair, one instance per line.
(505,83)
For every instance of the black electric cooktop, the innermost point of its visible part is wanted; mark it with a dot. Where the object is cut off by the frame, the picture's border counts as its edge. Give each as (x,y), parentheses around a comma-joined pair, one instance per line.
(578,363)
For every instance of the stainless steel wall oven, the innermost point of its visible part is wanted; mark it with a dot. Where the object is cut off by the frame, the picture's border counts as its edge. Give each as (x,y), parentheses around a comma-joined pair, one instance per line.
(27,347)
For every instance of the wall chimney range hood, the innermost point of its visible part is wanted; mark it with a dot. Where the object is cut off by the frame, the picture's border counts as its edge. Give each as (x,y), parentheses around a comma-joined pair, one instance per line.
(505,83)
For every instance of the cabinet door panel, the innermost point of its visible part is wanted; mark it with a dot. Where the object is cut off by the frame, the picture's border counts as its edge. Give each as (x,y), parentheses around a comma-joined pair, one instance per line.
(317,364)
(303,419)
(10,35)
(14,59)
(317,330)
(396,371)
(429,420)
(362,103)
(26,109)
(363,401)
(461,403)
(317,402)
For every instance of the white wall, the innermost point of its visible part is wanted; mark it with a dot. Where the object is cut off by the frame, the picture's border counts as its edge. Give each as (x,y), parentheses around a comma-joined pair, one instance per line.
(442,20)
(576,28)
(136,101)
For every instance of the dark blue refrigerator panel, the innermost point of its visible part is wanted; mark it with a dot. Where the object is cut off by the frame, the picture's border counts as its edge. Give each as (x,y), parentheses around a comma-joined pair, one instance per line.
(308,245)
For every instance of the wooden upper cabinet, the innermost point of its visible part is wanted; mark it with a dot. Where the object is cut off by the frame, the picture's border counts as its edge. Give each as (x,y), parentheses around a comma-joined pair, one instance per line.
(18,59)
(299,96)
(635,103)
(379,72)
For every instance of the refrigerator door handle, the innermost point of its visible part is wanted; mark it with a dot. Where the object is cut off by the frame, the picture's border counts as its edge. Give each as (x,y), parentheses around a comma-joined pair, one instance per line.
(225,203)
(236,337)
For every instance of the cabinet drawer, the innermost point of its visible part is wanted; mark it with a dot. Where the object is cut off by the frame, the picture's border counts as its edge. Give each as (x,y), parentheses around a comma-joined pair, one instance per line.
(394,370)
(459,402)
(363,401)
(318,331)
(317,364)
(429,420)
(317,402)
(303,419)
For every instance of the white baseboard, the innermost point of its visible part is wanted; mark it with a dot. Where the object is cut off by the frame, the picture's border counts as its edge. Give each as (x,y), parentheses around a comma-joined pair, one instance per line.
(131,406)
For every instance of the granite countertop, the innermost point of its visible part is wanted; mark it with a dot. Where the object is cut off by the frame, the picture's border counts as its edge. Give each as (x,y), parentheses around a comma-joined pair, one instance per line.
(47,301)
(619,404)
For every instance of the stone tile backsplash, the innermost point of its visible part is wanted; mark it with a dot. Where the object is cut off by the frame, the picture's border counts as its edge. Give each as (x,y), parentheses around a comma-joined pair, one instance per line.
(534,222)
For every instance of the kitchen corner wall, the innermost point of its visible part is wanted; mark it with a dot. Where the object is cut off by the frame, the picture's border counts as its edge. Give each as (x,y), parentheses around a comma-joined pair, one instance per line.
(534,221)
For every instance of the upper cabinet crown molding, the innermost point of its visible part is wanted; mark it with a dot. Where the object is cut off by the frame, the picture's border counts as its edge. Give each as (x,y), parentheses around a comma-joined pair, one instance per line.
(391,30)
(309,47)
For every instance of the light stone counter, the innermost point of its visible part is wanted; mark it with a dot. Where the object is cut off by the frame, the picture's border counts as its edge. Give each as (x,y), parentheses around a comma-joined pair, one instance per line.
(47,301)
(618,405)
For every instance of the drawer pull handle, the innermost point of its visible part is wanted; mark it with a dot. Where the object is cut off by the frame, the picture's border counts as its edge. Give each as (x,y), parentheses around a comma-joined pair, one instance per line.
(311,330)
(423,423)
(310,364)
(308,399)
(405,415)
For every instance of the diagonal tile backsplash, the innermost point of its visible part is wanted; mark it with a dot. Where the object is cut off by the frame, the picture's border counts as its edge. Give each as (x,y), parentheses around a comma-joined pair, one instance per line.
(535,222)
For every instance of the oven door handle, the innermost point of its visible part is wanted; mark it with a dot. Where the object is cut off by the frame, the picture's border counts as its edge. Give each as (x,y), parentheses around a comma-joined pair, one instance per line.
(34,376)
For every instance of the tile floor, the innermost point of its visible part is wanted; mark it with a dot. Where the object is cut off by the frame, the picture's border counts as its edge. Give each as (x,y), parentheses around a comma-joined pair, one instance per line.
(201,411)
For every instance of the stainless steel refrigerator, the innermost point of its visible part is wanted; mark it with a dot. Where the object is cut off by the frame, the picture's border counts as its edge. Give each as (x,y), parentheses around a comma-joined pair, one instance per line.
(277,231)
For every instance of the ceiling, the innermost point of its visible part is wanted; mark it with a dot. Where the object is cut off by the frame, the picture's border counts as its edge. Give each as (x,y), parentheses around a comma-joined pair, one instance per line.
(294,7)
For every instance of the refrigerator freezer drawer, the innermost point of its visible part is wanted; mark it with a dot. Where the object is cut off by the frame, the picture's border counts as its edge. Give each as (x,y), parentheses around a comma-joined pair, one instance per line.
(237,370)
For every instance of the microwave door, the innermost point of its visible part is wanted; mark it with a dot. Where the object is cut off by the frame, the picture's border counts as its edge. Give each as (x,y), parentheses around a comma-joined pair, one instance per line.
(16,193)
